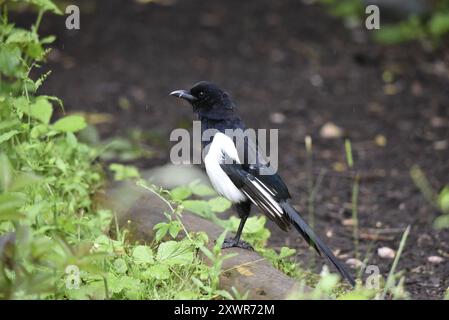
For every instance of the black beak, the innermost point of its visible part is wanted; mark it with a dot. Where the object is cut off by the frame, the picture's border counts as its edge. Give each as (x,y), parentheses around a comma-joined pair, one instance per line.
(183,94)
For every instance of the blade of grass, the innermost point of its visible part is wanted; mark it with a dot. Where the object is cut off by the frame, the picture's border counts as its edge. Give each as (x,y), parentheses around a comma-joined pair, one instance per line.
(390,280)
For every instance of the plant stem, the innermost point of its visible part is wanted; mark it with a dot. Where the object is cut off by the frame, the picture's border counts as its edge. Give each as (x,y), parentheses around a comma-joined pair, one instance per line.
(390,278)
(355,218)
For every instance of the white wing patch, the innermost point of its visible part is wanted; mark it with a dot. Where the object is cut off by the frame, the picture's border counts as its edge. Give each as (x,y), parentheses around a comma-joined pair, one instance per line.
(222,144)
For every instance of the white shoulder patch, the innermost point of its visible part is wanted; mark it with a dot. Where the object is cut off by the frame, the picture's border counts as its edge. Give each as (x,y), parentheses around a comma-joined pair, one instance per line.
(222,145)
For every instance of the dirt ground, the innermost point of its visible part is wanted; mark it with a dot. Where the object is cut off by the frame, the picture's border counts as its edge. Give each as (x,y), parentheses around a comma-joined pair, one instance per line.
(290,66)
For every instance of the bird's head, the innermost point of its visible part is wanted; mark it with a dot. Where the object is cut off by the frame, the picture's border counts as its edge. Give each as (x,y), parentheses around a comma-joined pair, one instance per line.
(208,100)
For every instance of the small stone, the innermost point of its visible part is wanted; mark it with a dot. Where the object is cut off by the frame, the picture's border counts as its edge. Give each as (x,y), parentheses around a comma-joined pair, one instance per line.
(390,89)
(277,117)
(440,145)
(435,259)
(331,131)
(416,89)
(348,222)
(438,122)
(380,140)
(316,80)
(386,253)
(354,263)
(277,55)
(339,167)
(329,233)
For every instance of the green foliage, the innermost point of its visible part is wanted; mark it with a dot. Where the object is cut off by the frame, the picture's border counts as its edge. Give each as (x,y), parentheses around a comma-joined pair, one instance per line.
(349,9)
(439,200)
(55,241)
(430,28)
(122,172)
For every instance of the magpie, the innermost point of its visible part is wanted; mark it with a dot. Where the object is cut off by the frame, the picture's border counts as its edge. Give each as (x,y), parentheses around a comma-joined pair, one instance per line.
(241,174)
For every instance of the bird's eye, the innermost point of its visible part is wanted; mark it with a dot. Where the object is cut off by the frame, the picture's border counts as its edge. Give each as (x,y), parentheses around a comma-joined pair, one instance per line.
(201,94)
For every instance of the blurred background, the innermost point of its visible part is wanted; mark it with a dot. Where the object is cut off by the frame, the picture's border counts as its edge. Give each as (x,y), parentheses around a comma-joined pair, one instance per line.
(308,68)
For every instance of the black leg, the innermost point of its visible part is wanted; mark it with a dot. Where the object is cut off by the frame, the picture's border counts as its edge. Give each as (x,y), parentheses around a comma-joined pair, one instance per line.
(243,211)
(240,229)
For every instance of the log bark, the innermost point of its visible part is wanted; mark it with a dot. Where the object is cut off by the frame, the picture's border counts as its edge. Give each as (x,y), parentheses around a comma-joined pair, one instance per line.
(138,210)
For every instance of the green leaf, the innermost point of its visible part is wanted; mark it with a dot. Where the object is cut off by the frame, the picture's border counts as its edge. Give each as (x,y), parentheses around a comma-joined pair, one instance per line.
(180,193)
(122,172)
(72,123)
(174,253)
(442,222)
(159,272)
(6,173)
(41,109)
(200,207)
(443,199)
(8,135)
(201,190)
(10,56)
(120,265)
(9,204)
(20,36)
(46,5)
(286,252)
(142,255)
(439,24)
(23,180)
(186,295)
(162,229)
(219,204)
(174,229)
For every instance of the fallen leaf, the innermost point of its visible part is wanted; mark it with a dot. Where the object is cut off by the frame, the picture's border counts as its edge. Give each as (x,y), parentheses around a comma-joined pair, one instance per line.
(244,271)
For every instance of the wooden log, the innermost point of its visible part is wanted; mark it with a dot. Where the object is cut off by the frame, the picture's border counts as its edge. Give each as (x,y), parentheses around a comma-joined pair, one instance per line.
(139,211)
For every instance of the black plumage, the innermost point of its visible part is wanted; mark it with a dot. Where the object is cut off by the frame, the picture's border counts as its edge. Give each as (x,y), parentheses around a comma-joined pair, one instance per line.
(268,192)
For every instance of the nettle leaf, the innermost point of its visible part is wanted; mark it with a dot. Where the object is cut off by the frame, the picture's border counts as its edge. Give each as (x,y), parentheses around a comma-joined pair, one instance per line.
(142,255)
(158,271)
(72,123)
(200,207)
(174,253)
(219,204)
(174,229)
(186,295)
(120,265)
(439,24)
(180,193)
(41,109)
(8,135)
(46,5)
(122,172)
(286,252)
(443,199)
(6,173)
(162,229)
(201,190)
(9,204)
(10,56)
(20,36)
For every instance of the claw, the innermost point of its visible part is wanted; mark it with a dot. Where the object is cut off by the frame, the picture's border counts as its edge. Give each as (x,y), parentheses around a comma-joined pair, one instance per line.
(232,243)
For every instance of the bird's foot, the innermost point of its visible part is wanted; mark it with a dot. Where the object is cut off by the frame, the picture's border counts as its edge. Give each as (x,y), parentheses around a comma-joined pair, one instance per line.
(232,243)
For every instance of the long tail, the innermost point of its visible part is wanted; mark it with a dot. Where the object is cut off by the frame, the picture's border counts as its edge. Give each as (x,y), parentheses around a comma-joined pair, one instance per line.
(310,236)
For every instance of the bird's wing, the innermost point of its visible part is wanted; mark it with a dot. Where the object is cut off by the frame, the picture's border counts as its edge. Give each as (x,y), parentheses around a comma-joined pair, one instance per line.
(270,194)
(264,191)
